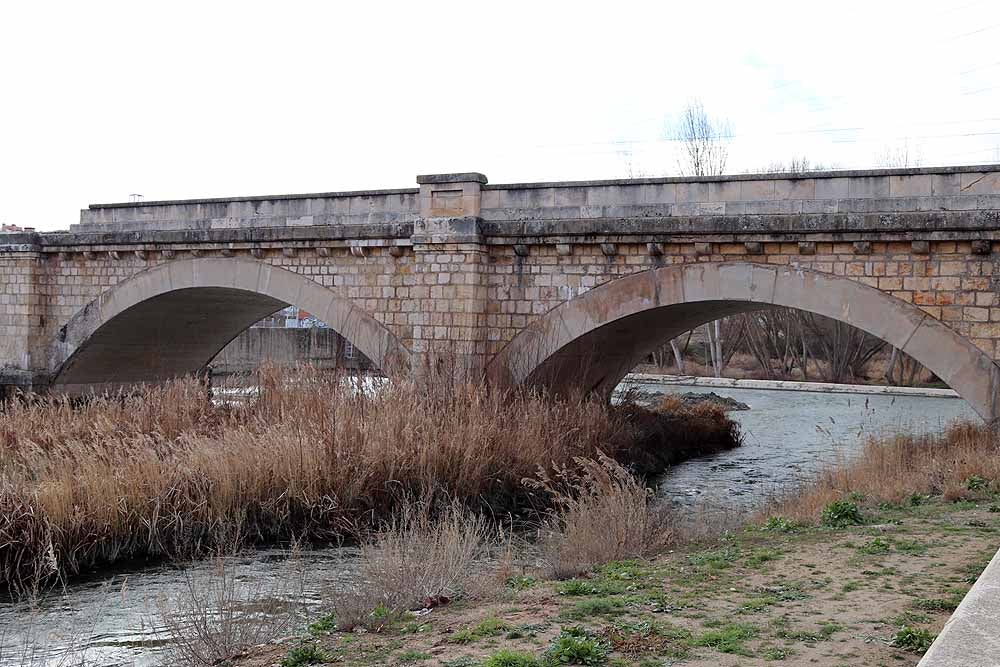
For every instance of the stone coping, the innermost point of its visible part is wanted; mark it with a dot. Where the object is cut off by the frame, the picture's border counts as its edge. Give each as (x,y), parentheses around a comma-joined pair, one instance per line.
(970,638)
(477,177)
(770,176)
(253,198)
(906,226)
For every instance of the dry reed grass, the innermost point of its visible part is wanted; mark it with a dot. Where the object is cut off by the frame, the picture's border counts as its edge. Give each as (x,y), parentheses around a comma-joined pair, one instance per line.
(602,513)
(421,559)
(895,469)
(164,473)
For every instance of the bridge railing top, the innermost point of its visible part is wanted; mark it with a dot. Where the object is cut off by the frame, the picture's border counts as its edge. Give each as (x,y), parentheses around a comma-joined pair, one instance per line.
(850,191)
(752,176)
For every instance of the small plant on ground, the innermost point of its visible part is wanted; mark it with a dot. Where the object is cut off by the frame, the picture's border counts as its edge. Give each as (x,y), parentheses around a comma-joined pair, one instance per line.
(761,556)
(466,661)
(521,582)
(576,587)
(776,653)
(575,646)
(976,483)
(876,547)
(488,627)
(412,656)
(595,607)
(916,640)
(841,513)
(305,655)
(935,604)
(491,627)
(508,658)
(323,625)
(778,524)
(728,639)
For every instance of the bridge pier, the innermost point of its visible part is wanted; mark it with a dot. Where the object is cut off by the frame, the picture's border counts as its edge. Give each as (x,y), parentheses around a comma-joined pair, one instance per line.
(22,314)
(450,258)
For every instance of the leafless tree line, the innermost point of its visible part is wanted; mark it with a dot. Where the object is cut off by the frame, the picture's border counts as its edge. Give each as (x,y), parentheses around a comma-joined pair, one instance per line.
(786,343)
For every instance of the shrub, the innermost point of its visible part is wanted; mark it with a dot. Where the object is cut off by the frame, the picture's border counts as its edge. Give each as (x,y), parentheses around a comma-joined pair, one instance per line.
(219,615)
(416,558)
(840,514)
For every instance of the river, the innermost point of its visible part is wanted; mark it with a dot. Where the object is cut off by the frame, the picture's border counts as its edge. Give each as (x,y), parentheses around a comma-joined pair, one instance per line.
(788,437)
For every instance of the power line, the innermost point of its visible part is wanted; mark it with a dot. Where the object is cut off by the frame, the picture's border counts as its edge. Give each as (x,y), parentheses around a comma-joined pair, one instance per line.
(976,69)
(967,34)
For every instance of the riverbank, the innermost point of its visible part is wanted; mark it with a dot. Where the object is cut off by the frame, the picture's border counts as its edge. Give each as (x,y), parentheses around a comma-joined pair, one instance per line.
(861,596)
(861,568)
(641,379)
(168,474)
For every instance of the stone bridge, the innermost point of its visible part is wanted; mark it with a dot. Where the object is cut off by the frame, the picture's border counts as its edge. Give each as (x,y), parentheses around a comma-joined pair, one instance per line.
(546,283)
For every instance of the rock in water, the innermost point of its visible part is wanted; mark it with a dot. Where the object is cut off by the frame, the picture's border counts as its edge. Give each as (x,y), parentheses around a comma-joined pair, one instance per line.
(691,399)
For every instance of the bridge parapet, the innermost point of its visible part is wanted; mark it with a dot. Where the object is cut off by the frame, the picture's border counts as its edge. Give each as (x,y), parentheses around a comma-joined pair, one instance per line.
(747,196)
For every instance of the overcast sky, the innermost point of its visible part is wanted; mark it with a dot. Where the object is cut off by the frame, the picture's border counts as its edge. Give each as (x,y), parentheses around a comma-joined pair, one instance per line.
(101,100)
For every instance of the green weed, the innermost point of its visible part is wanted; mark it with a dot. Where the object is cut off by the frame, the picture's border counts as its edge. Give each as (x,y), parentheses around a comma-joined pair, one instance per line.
(508,658)
(305,655)
(728,639)
(916,640)
(840,514)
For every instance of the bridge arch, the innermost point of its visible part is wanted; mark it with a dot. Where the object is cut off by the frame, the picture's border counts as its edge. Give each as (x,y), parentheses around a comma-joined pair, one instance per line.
(593,340)
(172,319)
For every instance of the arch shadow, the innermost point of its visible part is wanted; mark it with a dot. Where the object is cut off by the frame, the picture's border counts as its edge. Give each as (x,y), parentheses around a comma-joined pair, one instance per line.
(593,340)
(172,319)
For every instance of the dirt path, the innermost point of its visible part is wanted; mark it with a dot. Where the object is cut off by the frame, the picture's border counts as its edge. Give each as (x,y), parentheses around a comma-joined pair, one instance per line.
(824,597)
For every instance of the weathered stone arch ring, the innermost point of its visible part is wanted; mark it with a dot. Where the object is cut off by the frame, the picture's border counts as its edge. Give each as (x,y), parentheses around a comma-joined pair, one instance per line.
(172,319)
(593,340)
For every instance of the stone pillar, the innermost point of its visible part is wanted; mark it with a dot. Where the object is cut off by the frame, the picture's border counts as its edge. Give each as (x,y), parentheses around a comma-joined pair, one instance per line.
(22,317)
(450,258)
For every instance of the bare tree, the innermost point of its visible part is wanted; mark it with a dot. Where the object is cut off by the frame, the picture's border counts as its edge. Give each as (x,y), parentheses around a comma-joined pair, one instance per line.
(704,142)
(705,151)
(632,170)
(796,165)
(900,156)
(845,349)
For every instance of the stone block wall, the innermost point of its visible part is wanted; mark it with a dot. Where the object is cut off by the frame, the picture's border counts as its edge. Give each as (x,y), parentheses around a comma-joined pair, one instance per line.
(462,265)
(952,281)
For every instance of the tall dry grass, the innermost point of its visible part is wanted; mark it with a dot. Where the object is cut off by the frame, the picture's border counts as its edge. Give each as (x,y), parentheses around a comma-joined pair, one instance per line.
(894,469)
(601,513)
(165,473)
(422,559)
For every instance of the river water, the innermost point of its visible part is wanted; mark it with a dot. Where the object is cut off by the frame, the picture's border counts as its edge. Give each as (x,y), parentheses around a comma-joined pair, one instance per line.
(788,437)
